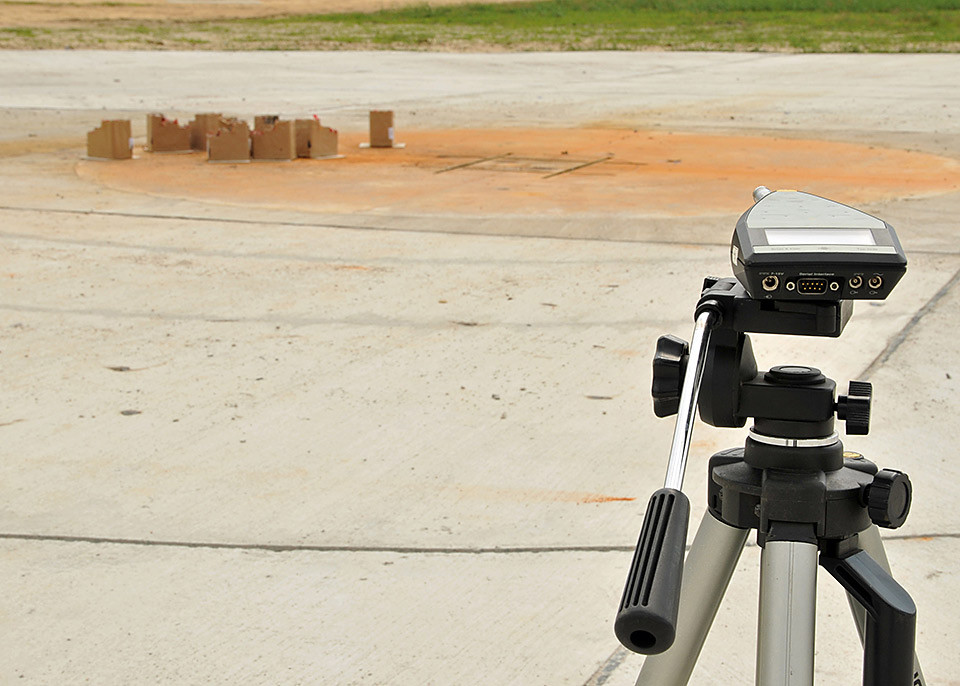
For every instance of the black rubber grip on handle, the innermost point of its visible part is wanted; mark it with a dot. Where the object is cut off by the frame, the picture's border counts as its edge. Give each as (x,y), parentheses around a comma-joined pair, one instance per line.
(647,620)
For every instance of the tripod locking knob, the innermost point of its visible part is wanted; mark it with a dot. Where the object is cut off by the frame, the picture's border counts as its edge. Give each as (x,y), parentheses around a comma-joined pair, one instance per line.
(888,498)
(669,365)
(854,408)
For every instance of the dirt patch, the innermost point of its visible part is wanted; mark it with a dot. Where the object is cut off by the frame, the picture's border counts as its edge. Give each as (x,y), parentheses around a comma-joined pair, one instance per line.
(61,13)
(33,144)
(542,172)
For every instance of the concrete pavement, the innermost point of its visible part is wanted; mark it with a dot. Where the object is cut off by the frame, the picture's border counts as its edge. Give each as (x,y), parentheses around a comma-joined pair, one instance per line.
(250,445)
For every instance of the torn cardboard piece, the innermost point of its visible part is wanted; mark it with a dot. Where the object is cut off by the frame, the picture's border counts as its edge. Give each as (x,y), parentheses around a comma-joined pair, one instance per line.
(315,141)
(262,120)
(203,126)
(111,140)
(231,142)
(274,141)
(166,135)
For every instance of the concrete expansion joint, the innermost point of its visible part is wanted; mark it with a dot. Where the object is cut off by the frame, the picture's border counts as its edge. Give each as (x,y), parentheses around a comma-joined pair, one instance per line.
(267,547)
(407,550)
(363,226)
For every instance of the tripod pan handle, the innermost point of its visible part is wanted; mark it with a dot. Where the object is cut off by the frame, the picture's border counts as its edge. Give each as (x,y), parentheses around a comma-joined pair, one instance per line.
(647,620)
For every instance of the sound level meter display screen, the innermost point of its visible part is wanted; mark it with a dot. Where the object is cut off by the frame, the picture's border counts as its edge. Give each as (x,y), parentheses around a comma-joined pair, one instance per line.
(819,237)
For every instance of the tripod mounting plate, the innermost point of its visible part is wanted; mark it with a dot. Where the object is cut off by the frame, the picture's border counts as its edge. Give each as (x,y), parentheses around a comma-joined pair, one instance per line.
(739,312)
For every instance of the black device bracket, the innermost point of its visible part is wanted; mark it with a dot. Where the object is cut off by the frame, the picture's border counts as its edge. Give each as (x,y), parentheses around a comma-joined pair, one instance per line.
(725,398)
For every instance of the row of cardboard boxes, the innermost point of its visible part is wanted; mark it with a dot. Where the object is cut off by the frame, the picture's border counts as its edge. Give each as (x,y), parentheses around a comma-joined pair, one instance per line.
(227,139)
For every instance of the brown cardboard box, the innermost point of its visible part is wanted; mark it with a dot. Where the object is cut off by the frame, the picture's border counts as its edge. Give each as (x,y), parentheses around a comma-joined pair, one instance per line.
(202,126)
(381,129)
(327,142)
(275,141)
(231,142)
(166,135)
(111,140)
(314,140)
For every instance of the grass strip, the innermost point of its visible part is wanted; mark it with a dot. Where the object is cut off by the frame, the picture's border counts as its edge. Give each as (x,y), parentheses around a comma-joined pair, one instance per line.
(725,25)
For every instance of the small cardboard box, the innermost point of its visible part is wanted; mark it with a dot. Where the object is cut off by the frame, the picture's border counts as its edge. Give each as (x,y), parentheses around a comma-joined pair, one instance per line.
(327,142)
(381,129)
(202,126)
(111,140)
(314,140)
(276,141)
(231,142)
(166,135)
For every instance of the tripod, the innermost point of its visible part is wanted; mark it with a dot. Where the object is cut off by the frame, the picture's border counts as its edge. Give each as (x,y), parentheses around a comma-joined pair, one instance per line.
(792,482)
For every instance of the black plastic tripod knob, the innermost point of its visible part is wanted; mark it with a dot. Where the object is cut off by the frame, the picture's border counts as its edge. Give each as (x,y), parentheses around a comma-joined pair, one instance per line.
(888,498)
(854,408)
(669,364)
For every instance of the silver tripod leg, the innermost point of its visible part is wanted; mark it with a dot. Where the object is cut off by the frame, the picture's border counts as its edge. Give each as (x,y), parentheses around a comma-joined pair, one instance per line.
(788,611)
(872,544)
(706,574)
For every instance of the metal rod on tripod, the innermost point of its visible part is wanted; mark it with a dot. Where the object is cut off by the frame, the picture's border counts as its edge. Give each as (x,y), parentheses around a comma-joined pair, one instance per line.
(686,414)
(647,620)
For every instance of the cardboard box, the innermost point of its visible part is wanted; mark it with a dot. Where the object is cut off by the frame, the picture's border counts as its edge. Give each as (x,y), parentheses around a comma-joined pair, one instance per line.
(381,129)
(276,141)
(231,142)
(202,126)
(166,135)
(314,140)
(111,140)
(326,142)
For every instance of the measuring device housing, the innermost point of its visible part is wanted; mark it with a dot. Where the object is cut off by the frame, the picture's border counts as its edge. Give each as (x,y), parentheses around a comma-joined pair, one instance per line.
(797,246)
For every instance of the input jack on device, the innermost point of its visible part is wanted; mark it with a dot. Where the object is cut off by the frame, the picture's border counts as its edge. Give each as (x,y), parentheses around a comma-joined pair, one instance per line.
(856,282)
(771,283)
(875,282)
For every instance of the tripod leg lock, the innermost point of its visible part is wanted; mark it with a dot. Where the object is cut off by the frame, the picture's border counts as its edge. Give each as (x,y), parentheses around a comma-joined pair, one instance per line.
(647,620)
(890,633)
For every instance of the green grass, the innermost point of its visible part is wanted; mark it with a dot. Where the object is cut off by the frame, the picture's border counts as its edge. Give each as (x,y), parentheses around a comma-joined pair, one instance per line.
(606,12)
(784,25)
(18,32)
(804,25)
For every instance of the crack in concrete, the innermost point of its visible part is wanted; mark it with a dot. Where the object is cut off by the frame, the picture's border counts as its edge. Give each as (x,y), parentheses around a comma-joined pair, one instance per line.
(905,332)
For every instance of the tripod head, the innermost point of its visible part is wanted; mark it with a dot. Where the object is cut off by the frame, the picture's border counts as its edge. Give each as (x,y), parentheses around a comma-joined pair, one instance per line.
(733,390)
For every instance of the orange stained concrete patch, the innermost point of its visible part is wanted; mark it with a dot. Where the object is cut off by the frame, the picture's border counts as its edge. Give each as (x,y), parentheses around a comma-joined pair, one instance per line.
(542,172)
(605,499)
(493,494)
